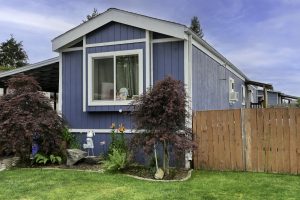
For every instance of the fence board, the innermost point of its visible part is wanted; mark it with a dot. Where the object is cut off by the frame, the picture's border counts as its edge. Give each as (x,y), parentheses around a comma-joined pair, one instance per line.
(260,140)
(298,139)
(286,141)
(254,136)
(232,140)
(272,140)
(279,137)
(226,138)
(293,145)
(274,159)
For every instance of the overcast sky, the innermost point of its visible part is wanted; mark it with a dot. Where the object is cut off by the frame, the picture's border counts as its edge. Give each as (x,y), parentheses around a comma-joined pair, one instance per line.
(261,37)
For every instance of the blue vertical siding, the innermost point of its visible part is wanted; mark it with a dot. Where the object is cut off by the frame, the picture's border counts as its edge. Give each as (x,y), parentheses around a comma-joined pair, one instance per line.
(168,59)
(210,90)
(111,48)
(114,31)
(72,109)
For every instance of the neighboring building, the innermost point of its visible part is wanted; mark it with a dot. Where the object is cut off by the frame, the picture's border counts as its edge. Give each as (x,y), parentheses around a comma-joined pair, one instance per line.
(107,61)
(276,98)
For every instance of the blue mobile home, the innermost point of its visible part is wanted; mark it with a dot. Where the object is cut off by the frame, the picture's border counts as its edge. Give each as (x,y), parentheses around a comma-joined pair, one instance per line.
(106,62)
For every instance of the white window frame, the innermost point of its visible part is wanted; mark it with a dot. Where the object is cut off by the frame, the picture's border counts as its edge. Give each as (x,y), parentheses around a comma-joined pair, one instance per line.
(113,54)
(231,89)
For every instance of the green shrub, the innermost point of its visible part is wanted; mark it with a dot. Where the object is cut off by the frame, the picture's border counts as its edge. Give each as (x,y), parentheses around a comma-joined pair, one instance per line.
(117,161)
(42,159)
(70,139)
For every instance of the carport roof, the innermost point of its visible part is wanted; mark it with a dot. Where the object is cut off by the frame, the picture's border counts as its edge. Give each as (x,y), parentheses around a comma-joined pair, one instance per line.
(45,72)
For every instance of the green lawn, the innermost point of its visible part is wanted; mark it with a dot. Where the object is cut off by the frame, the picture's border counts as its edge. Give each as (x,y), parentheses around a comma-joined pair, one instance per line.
(58,184)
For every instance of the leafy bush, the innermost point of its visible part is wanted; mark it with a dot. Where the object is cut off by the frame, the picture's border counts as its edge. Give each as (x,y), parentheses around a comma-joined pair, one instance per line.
(70,139)
(27,116)
(117,160)
(41,159)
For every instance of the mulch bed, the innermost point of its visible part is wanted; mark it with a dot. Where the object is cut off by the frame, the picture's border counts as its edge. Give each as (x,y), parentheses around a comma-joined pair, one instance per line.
(148,173)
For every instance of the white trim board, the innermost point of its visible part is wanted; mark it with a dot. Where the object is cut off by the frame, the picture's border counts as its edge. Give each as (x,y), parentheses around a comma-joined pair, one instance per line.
(72,49)
(30,67)
(124,17)
(60,84)
(151,59)
(166,40)
(84,95)
(116,43)
(215,58)
(113,54)
(98,130)
(148,62)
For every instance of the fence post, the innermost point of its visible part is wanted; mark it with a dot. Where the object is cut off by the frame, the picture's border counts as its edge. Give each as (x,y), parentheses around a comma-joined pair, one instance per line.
(244,140)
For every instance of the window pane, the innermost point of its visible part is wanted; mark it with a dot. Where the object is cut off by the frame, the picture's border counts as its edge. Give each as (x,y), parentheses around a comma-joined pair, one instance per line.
(103,79)
(127,77)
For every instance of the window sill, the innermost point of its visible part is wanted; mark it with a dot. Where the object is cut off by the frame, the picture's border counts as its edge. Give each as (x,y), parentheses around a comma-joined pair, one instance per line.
(110,103)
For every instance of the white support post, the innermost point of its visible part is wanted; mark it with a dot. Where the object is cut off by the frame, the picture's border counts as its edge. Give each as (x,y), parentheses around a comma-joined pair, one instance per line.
(188,86)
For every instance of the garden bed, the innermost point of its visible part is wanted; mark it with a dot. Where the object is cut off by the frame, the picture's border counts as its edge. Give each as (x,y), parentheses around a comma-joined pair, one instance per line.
(148,173)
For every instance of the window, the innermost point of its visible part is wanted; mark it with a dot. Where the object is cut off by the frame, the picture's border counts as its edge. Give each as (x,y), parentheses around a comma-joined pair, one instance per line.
(115,78)
(233,96)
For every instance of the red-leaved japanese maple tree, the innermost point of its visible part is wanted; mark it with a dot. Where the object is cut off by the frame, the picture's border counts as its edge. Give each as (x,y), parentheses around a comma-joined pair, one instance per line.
(160,116)
(26,114)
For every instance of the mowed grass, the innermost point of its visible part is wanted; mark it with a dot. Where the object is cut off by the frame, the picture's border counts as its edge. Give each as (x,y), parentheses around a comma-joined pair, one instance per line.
(62,184)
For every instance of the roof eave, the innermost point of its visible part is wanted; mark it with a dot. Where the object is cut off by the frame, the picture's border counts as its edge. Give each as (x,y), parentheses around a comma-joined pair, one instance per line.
(29,67)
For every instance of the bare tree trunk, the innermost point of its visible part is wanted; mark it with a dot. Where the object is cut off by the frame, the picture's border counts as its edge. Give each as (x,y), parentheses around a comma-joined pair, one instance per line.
(166,158)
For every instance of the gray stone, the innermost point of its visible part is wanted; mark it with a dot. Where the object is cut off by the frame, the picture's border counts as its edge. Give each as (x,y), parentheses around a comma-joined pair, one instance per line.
(92,160)
(159,174)
(7,162)
(2,167)
(75,155)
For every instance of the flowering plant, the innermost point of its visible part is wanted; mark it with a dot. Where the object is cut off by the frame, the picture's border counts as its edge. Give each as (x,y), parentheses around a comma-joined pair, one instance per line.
(118,140)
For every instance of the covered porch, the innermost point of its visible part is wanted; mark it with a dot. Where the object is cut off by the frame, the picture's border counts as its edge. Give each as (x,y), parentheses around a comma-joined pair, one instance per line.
(45,72)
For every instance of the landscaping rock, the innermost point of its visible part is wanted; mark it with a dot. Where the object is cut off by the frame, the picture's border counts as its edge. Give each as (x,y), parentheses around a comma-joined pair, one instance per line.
(2,167)
(74,155)
(7,162)
(159,174)
(92,160)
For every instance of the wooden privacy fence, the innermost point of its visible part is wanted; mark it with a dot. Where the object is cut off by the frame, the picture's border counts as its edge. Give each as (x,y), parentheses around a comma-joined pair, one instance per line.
(263,140)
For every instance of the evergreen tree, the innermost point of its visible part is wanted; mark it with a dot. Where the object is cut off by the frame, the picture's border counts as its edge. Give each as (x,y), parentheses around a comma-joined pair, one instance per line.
(93,15)
(12,53)
(195,26)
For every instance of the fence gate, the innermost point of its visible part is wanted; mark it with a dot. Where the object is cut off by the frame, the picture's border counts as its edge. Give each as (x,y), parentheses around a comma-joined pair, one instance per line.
(264,140)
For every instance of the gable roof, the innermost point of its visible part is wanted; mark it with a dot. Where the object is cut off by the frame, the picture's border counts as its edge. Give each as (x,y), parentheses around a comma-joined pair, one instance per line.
(121,16)
(173,29)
